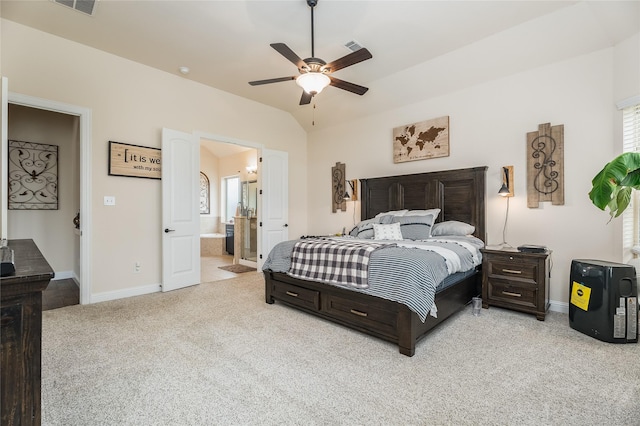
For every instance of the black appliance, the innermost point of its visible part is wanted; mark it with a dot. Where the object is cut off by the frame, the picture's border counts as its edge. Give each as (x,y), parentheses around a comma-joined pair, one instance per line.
(603,300)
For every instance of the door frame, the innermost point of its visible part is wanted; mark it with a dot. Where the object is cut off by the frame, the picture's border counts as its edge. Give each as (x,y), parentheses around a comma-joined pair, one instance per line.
(254,145)
(84,115)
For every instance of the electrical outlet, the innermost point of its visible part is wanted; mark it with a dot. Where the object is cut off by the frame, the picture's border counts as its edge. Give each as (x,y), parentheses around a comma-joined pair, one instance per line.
(136,267)
(109,200)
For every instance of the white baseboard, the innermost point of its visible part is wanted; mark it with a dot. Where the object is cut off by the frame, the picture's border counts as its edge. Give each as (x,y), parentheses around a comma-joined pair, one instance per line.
(66,275)
(122,294)
(562,307)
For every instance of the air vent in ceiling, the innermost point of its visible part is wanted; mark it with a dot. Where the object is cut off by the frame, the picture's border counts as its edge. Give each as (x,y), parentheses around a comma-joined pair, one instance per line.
(85,6)
(353,45)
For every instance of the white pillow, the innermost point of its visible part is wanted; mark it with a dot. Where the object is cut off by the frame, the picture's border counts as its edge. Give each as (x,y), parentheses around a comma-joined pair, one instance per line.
(393,213)
(434,212)
(452,227)
(387,232)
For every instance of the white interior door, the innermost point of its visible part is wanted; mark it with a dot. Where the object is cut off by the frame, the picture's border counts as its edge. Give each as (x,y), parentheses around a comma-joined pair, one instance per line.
(180,210)
(275,200)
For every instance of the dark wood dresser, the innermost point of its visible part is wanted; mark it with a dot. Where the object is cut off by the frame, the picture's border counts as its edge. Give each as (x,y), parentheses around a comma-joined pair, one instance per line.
(21,311)
(516,280)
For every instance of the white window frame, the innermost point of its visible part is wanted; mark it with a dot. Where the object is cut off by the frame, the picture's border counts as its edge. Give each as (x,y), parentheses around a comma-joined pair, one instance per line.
(631,143)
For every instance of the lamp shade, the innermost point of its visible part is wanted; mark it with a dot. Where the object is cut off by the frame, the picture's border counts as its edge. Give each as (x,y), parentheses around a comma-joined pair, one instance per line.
(313,82)
(504,190)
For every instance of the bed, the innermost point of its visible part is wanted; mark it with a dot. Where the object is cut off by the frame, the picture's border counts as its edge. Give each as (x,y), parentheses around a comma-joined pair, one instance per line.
(460,196)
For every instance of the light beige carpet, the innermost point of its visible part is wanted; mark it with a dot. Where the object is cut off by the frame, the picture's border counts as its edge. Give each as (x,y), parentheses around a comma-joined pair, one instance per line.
(217,354)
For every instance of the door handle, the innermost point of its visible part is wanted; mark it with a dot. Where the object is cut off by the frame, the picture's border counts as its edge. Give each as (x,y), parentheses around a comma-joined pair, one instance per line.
(167,230)
(285,225)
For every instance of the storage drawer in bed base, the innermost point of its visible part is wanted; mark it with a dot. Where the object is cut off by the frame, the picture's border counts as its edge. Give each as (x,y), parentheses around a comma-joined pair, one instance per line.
(381,318)
(296,295)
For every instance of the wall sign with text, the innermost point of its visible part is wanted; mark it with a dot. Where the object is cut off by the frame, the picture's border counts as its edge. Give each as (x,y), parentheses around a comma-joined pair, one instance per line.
(134,160)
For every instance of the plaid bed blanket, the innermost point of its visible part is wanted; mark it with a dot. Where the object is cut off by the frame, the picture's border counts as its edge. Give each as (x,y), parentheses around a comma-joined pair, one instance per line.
(336,262)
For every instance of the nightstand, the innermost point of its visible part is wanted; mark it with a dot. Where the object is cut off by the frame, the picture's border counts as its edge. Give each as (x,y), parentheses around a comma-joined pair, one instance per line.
(516,280)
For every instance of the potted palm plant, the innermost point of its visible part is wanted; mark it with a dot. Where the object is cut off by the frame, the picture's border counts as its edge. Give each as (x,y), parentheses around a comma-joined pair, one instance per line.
(613,185)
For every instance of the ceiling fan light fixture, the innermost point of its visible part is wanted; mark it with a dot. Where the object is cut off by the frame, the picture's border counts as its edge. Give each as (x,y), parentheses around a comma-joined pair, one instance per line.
(313,82)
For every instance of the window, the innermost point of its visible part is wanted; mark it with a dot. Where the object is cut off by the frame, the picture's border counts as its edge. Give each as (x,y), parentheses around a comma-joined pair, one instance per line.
(231,190)
(204,194)
(631,143)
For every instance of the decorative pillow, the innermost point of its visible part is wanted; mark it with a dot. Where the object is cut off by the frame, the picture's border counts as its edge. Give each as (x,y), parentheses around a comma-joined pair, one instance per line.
(434,212)
(364,229)
(392,213)
(415,227)
(387,232)
(452,227)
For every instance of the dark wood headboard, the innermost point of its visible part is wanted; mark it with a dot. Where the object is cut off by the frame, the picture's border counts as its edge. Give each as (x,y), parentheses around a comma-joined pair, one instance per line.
(459,194)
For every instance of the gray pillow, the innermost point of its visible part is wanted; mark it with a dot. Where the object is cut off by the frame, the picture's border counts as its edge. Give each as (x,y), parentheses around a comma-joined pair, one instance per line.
(452,227)
(364,229)
(415,227)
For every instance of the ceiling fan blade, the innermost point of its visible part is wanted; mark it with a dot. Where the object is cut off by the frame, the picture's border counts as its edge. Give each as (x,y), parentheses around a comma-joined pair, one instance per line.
(350,87)
(306,98)
(351,59)
(284,50)
(271,80)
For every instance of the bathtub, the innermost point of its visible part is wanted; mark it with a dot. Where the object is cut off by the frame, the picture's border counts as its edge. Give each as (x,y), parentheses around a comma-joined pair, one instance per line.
(212,244)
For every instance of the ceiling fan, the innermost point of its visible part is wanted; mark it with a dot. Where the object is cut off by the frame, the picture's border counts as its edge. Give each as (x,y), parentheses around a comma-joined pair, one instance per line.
(315,74)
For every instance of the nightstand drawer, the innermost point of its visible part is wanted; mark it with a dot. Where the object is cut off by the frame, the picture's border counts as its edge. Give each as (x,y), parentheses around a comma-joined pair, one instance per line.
(513,292)
(513,268)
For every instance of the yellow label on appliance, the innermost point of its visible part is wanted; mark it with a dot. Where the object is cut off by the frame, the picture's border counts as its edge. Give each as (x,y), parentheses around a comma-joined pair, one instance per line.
(580,296)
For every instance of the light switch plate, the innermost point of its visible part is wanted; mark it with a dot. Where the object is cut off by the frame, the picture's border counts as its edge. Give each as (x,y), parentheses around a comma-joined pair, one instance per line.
(109,200)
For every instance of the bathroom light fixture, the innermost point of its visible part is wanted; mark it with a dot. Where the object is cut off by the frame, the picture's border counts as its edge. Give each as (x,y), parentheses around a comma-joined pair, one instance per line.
(313,82)
(252,170)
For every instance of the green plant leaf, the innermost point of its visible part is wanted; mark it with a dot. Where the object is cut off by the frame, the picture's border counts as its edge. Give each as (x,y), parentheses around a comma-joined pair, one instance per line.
(622,199)
(612,186)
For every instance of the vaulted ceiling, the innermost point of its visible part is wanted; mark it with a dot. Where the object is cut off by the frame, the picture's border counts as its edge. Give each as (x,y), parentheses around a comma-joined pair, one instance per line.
(420,48)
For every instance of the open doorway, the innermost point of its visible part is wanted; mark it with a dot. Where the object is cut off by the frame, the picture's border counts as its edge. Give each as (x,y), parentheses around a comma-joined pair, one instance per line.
(82,270)
(44,193)
(228,209)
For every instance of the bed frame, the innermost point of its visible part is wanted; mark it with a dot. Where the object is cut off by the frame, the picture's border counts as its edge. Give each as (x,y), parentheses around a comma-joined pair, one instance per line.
(460,194)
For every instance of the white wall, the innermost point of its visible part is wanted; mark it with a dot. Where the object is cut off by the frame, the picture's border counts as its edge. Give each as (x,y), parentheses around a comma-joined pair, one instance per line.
(488,126)
(131,103)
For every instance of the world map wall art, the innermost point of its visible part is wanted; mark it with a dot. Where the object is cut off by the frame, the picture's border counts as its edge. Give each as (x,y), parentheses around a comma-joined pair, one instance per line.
(421,141)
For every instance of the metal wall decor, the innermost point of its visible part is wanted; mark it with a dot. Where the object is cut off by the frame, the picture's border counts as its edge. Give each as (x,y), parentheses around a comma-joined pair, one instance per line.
(545,165)
(33,176)
(338,187)
(204,194)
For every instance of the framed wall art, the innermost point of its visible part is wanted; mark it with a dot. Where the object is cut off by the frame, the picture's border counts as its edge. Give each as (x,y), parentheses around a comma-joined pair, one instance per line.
(134,160)
(421,141)
(33,176)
